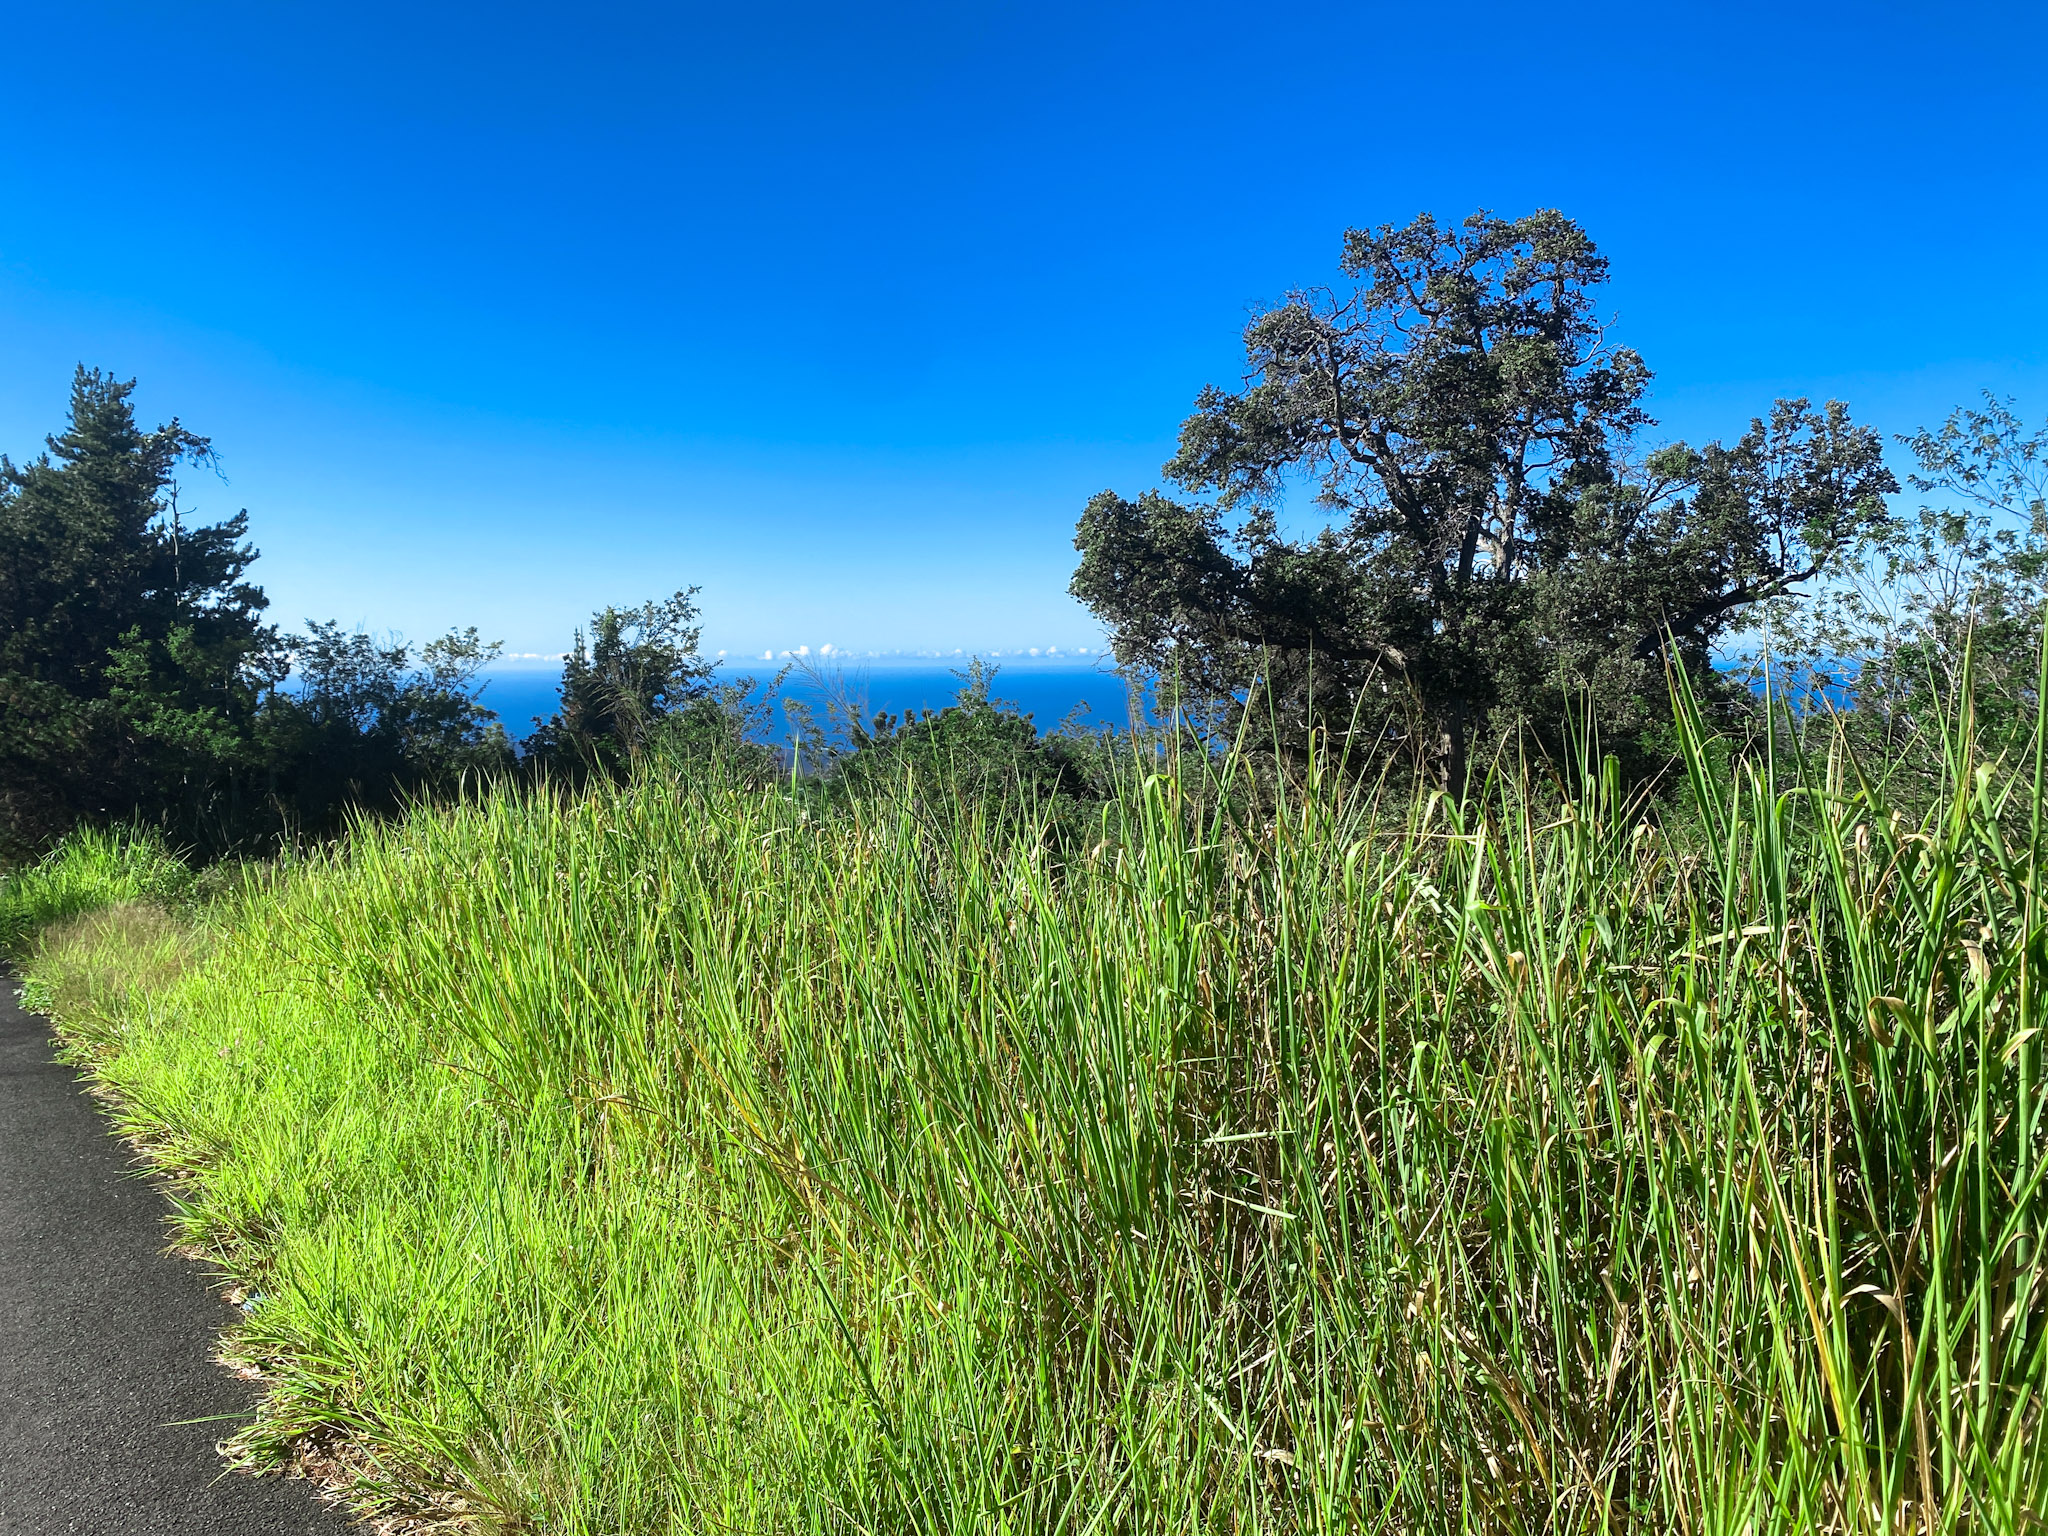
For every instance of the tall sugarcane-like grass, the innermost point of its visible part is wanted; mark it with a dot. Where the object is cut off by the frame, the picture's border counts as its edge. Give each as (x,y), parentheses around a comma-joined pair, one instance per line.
(675,1159)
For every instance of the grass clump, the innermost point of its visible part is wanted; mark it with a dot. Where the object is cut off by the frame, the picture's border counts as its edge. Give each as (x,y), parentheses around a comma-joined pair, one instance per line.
(89,869)
(678,1159)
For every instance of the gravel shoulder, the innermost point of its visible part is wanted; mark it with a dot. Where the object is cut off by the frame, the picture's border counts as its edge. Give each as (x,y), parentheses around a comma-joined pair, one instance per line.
(106,1343)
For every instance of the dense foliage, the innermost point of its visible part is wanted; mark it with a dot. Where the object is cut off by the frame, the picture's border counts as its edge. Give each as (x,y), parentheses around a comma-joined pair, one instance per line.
(978,751)
(139,681)
(1494,556)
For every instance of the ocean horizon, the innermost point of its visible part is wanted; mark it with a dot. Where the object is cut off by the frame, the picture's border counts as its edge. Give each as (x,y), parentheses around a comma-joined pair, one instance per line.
(1050,692)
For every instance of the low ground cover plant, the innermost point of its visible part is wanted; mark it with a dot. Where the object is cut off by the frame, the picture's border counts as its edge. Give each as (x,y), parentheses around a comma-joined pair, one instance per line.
(687,1155)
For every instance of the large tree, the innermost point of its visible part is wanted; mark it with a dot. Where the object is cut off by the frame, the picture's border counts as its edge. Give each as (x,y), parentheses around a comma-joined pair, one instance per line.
(132,652)
(1487,548)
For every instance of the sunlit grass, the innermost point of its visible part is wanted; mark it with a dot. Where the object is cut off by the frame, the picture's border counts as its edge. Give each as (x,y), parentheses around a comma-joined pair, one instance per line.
(90,869)
(678,1159)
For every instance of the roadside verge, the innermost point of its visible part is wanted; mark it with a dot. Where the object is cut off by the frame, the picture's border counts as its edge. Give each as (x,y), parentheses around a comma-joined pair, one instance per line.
(111,1402)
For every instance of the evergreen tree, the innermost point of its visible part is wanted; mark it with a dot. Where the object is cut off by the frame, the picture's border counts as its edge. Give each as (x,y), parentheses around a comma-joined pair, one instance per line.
(132,653)
(633,671)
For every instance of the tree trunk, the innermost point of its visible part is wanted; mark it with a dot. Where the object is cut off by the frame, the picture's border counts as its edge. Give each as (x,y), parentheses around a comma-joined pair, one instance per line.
(1454,730)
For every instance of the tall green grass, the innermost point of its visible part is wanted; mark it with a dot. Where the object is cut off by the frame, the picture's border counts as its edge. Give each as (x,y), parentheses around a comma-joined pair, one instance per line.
(90,869)
(677,1160)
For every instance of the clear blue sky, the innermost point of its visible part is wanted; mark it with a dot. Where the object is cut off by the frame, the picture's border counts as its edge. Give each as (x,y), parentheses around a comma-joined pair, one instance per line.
(497,313)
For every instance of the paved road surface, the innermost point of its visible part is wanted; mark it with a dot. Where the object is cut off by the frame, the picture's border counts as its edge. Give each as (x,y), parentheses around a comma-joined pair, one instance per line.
(105,1343)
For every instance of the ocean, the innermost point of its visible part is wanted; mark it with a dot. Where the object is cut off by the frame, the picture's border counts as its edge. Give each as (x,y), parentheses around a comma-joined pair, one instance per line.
(1049,693)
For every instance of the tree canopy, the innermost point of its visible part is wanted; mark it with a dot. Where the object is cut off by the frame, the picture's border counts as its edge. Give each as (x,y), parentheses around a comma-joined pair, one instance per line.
(1489,547)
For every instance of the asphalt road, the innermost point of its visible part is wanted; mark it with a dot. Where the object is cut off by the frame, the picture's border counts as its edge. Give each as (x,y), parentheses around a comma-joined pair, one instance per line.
(105,1342)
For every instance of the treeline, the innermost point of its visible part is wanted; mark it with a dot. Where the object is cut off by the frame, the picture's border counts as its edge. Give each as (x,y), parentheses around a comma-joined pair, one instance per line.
(1501,572)
(140,681)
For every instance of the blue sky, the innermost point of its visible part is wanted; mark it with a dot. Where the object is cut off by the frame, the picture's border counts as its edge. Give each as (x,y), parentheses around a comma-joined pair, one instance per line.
(500,313)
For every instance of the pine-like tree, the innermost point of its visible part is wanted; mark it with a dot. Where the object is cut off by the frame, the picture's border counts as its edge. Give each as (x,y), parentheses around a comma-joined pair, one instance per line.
(132,651)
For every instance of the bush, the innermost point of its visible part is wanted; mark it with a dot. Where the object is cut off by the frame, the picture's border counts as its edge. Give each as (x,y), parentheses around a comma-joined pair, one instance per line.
(979,756)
